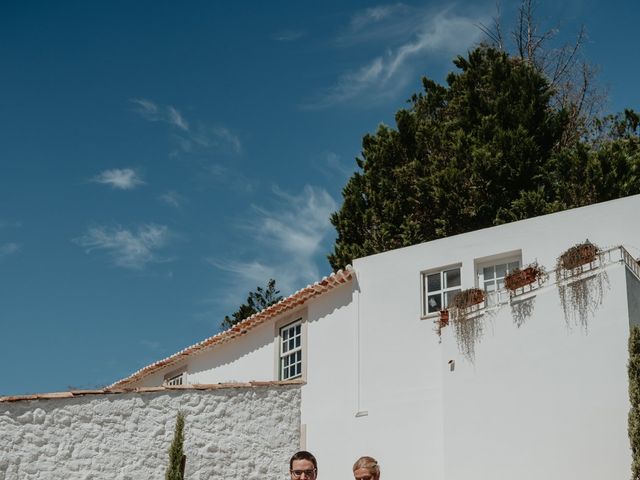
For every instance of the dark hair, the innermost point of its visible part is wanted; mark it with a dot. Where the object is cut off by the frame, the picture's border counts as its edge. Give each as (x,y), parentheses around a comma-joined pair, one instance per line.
(303,455)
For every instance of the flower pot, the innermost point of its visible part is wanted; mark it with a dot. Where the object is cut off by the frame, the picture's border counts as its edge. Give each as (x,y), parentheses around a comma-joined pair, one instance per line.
(520,278)
(578,255)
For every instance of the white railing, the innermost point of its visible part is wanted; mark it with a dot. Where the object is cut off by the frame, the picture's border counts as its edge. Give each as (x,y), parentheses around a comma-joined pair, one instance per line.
(603,259)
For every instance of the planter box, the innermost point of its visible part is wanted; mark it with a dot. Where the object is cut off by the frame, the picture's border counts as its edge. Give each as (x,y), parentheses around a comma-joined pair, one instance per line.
(520,278)
(578,255)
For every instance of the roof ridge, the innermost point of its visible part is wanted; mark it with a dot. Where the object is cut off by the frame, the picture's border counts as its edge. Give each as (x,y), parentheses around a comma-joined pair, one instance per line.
(295,299)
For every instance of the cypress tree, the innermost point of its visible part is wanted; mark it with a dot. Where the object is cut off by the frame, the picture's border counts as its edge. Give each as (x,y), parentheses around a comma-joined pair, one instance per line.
(175,470)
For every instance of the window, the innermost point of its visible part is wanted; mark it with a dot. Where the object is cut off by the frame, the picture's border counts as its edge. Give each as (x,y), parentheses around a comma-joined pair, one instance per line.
(175,380)
(176,377)
(439,288)
(491,278)
(291,350)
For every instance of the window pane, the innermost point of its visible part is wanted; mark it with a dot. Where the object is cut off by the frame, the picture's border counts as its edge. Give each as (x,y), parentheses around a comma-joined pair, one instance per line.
(501,283)
(298,329)
(452,278)
(514,265)
(433,282)
(450,295)
(489,286)
(488,273)
(434,303)
(501,270)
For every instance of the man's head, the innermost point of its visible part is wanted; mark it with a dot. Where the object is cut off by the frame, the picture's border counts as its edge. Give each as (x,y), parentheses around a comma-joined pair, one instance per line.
(303,466)
(366,468)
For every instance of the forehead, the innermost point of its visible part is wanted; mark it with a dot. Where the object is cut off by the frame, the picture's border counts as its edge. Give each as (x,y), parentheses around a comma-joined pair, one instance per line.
(303,465)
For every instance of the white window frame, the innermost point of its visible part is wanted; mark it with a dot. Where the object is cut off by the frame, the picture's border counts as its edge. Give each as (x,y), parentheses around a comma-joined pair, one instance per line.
(444,288)
(291,321)
(176,377)
(498,295)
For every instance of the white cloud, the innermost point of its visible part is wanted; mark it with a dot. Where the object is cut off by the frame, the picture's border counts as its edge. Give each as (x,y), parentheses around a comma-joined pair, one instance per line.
(417,36)
(333,163)
(128,249)
(175,118)
(375,15)
(7,249)
(122,179)
(189,138)
(288,238)
(173,198)
(159,113)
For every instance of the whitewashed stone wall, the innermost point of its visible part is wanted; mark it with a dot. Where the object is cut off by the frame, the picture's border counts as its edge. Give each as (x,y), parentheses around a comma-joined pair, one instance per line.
(230,433)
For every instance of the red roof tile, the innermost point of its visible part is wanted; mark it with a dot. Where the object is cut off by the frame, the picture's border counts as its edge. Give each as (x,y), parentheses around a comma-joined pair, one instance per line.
(298,298)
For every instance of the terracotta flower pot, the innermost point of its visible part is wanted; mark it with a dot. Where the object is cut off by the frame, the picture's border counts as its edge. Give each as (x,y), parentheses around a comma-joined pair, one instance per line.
(521,277)
(578,255)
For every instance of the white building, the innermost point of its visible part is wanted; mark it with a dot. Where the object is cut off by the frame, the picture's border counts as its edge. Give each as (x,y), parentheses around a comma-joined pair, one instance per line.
(545,397)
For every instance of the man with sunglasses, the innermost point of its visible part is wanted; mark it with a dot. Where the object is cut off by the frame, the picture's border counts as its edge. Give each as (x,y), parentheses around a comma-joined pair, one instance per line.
(303,466)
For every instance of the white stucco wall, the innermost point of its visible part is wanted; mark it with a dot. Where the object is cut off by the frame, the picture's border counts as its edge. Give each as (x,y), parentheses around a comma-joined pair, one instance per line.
(378,381)
(544,400)
(229,433)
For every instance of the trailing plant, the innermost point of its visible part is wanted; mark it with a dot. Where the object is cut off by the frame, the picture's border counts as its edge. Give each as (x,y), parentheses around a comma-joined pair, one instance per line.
(577,256)
(175,470)
(441,322)
(521,310)
(521,277)
(467,327)
(580,295)
(633,370)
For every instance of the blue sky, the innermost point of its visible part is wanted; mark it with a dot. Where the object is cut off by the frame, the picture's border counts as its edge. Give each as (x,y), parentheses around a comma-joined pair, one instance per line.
(158,160)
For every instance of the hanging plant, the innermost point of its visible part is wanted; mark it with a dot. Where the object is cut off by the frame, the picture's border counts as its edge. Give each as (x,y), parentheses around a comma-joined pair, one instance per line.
(580,287)
(441,322)
(521,277)
(467,325)
(578,255)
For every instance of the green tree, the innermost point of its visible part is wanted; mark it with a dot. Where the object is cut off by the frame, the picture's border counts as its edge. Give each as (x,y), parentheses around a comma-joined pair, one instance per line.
(175,470)
(257,301)
(489,147)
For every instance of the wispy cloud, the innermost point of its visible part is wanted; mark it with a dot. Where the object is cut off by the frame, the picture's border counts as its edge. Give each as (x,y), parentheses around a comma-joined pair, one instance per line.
(121,179)
(127,248)
(189,137)
(230,177)
(159,113)
(7,249)
(288,236)
(288,35)
(173,198)
(333,165)
(375,14)
(407,38)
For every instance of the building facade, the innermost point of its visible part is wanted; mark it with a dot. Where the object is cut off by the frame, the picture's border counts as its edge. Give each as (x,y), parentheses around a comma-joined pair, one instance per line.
(528,384)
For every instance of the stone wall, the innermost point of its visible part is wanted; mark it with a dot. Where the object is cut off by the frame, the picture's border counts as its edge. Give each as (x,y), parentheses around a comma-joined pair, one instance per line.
(245,431)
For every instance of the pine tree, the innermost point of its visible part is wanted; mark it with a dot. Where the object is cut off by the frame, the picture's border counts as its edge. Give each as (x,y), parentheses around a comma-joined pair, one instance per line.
(489,147)
(256,302)
(175,470)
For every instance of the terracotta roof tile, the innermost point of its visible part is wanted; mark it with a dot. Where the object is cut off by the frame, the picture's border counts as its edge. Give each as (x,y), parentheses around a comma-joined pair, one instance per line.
(298,298)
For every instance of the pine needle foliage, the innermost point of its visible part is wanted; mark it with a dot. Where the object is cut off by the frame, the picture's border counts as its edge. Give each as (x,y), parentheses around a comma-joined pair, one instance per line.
(487,148)
(257,301)
(634,397)
(176,451)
